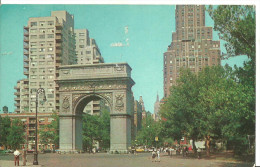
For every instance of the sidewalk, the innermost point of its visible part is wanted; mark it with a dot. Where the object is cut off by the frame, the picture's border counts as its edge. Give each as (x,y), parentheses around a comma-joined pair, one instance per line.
(5,163)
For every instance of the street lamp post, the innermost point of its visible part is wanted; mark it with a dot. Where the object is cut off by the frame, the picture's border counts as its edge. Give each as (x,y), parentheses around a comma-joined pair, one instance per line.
(39,91)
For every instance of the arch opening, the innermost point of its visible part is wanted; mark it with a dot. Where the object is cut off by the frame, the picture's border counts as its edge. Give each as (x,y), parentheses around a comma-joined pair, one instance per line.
(93,123)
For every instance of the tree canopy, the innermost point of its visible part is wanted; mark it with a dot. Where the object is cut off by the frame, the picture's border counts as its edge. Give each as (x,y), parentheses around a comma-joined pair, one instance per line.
(209,105)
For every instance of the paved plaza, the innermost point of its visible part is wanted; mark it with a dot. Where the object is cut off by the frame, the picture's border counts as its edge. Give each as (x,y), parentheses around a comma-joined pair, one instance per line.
(116,160)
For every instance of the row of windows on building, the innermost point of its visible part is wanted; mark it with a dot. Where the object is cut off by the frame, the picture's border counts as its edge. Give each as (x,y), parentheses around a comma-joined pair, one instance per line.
(82,52)
(48,76)
(43,36)
(41,43)
(41,63)
(41,30)
(183,45)
(35,50)
(188,60)
(43,83)
(42,70)
(44,56)
(42,23)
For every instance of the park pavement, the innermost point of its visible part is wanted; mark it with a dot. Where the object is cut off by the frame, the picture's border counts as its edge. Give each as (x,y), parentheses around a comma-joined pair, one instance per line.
(118,160)
(6,163)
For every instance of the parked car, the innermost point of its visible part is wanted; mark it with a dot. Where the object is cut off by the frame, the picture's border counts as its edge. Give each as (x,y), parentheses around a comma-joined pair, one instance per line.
(139,149)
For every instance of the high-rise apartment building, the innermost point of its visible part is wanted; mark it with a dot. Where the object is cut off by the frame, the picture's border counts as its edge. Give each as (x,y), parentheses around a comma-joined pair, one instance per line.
(192,45)
(87,50)
(48,43)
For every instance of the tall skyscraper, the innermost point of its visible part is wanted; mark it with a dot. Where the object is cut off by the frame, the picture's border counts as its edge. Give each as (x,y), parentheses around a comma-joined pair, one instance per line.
(192,45)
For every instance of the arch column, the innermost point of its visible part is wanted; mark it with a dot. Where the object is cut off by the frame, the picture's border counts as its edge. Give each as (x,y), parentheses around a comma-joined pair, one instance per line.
(70,132)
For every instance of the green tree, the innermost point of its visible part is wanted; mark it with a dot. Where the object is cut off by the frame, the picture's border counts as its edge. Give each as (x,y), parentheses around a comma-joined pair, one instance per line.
(237,27)
(209,105)
(104,128)
(50,133)
(5,125)
(150,130)
(90,131)
(16,134)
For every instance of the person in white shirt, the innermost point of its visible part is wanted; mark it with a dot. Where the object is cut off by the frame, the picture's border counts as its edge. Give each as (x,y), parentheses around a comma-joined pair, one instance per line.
(16,157)
(158,155)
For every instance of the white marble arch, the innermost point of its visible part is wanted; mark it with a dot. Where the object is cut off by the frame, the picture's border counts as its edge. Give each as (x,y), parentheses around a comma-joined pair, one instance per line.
(76,89)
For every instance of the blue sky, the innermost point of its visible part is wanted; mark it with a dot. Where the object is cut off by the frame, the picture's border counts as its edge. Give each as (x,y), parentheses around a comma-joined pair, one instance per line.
(149,33)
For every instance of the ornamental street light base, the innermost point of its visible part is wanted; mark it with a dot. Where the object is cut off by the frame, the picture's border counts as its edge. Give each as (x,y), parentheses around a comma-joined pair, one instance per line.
(35,161)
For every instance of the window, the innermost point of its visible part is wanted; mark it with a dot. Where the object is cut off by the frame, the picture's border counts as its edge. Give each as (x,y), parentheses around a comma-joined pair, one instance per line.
(41,63)
(42,30)
(33,44)
(42,77)
(42,23)
(81,46)
(33,76)
(33,36)
(41,57)
(50,36)
(42,70)
(33,57)
(33,84)
(50,95)
(42,43)
(50,90)
(42,50)
(50,49)
(33,24)
(42,36)
(50,23)
(88,52)
(81,34)
(49,56)
(81,40)
(50,30)
(50,76)
(33,30)
(49,62)
(42,83)
(50,70)
(33,63)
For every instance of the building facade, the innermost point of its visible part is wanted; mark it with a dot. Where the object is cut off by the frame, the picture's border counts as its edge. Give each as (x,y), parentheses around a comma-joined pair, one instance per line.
(192,45)
(50,42)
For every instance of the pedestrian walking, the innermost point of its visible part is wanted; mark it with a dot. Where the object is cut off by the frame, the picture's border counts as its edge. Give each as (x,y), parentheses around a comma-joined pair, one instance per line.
(158,155)
(24,157)
(16,157)
(153,156)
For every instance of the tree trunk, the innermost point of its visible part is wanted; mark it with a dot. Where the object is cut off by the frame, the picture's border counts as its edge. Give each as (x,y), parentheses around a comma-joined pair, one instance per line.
(208,145)
(194,146)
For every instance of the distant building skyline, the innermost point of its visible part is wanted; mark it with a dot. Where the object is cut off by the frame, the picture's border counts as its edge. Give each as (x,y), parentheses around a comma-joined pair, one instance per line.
(191,47)
(107,27)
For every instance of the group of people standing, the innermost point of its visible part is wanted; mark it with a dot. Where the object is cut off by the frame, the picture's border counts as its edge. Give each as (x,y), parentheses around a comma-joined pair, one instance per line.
(17,155)
(156,156)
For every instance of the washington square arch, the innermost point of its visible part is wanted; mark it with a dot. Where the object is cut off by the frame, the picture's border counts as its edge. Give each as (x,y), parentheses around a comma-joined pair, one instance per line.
(80,84)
